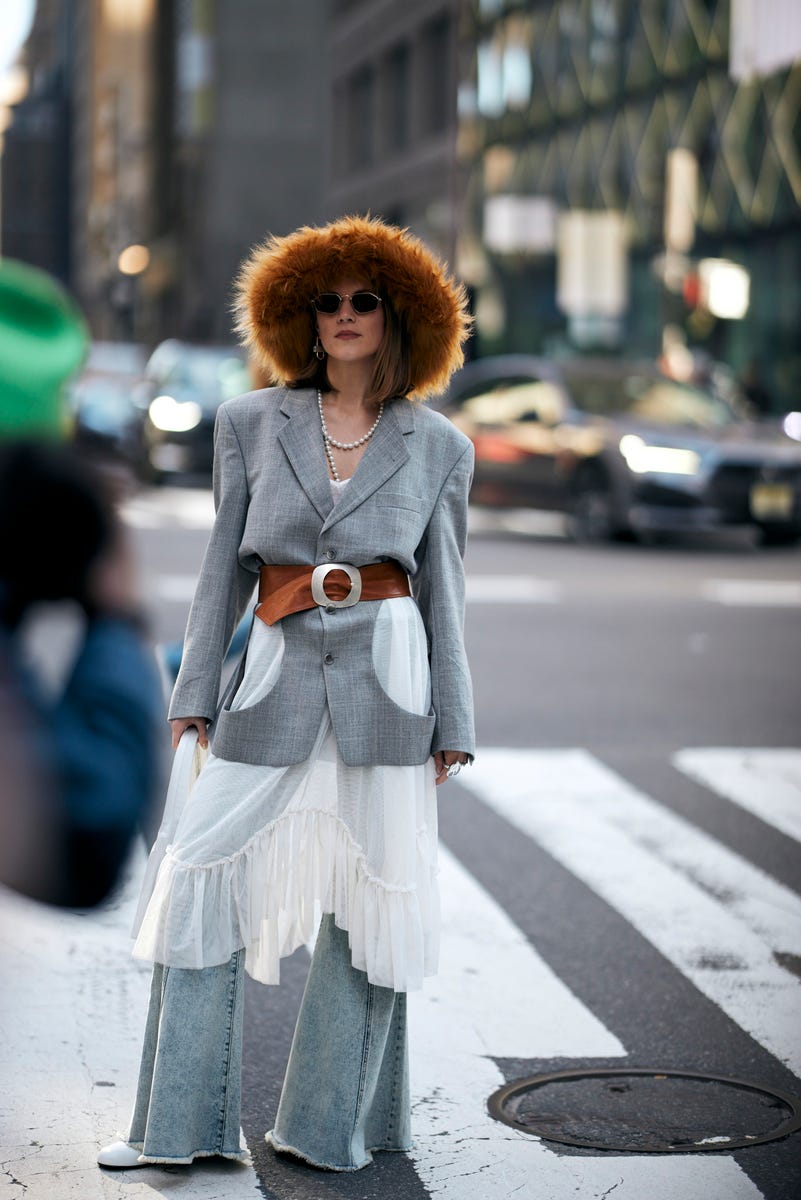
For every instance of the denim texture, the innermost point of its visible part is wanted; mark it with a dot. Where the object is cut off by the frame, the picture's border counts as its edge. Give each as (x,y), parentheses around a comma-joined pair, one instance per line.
(346,1090)
(189,1096)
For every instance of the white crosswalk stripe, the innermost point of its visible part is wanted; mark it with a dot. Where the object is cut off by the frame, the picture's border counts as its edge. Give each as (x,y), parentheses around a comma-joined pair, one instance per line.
(511,589)
(769,593)
(527,522)
(716,917)
(482,951)
(170,508)
(664,877)
(495,998)
(765,782)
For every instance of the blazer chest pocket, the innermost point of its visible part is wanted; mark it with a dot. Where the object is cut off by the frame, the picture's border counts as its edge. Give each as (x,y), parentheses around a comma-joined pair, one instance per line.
(400,500)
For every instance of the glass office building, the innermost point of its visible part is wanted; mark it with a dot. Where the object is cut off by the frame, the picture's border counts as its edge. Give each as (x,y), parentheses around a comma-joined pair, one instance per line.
(624,176)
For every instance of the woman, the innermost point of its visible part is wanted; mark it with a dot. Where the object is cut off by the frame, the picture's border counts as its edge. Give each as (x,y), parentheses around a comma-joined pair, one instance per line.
(351,701)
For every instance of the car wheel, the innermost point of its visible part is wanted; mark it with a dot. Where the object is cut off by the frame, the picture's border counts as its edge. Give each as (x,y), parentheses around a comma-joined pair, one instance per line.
(592,513)
(779,535)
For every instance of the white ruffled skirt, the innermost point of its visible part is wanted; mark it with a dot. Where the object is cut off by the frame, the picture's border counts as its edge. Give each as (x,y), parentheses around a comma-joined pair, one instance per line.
(252,856)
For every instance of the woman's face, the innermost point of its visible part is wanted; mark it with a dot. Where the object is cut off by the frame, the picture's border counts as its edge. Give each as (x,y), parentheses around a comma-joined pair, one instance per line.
(348,336)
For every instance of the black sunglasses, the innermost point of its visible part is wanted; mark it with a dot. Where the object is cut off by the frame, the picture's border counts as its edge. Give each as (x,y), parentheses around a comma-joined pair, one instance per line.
(361,302)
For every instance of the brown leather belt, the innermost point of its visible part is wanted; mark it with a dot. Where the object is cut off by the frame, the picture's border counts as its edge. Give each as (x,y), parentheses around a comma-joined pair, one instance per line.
(285,590)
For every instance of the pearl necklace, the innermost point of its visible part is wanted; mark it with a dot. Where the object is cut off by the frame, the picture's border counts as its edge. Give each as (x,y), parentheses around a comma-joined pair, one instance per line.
(330,442)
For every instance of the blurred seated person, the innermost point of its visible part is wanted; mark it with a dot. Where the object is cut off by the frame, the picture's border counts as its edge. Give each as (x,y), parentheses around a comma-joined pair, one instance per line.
(80,700)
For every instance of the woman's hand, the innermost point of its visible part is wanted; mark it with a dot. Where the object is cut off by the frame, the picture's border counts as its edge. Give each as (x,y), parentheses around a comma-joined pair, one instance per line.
(446,758)
(179,724)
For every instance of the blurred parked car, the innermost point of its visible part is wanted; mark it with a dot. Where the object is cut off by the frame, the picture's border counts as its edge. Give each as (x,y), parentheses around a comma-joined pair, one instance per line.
(184,386)
(622,449)
(102,401)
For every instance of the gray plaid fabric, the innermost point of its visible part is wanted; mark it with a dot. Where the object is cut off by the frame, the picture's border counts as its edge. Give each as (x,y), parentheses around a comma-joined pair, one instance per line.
(407,501)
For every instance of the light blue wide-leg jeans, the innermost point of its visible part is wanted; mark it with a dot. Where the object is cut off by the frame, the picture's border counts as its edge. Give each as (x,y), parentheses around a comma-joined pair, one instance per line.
(189,1095)
(346,1090)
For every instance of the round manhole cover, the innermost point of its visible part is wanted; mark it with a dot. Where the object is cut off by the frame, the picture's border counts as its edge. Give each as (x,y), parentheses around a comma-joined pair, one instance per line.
(647,1111)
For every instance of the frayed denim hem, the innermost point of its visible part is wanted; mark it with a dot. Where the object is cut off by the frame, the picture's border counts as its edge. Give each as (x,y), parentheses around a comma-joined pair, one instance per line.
(232,1155)
(282,1148)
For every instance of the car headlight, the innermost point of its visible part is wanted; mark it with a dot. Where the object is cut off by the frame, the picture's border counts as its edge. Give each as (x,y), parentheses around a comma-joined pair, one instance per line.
(660,460)
(174,416)
(792,425)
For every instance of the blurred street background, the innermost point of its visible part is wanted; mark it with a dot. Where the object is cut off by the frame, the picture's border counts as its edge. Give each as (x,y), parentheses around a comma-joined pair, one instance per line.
(619,185)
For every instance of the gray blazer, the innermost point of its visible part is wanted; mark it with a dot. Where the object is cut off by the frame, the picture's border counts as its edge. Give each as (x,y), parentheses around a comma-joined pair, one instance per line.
(407,501)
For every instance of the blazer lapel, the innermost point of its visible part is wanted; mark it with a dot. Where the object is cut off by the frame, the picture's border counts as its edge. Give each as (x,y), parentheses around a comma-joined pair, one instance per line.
(302,441)
(385,454)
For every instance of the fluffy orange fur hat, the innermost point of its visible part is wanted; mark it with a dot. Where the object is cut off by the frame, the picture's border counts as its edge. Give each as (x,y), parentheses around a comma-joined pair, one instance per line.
(277,283)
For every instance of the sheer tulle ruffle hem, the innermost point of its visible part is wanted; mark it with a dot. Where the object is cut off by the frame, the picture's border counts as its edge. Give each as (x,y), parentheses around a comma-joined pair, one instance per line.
(269,898)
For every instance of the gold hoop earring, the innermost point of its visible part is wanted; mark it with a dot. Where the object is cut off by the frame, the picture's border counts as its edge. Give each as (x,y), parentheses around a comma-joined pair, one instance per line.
(319,352)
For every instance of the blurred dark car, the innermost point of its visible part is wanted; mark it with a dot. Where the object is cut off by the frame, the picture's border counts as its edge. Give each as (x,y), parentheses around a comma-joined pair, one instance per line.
(102,402)
(622,449)
(184,386)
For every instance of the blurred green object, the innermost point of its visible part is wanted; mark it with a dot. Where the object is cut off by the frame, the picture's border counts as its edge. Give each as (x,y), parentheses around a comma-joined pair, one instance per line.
(43,340)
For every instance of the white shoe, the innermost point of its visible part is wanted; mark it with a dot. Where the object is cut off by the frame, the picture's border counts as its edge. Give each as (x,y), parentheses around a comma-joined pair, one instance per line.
(120,1154)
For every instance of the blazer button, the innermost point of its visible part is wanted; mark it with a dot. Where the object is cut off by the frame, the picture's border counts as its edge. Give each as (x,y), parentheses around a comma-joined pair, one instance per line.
(329,608)
(330,555)
(329,658)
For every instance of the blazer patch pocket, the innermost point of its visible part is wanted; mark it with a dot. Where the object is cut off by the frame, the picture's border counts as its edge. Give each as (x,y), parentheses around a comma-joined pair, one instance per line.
(264,656)
(399,500)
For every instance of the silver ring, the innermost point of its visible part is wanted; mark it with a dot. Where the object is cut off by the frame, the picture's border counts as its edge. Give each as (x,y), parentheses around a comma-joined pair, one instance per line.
(453,770)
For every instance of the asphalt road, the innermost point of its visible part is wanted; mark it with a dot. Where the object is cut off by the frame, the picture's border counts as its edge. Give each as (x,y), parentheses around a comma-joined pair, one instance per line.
(631,827)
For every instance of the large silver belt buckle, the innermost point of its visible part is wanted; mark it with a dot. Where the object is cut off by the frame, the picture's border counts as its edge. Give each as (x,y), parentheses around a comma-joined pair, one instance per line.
(319,575)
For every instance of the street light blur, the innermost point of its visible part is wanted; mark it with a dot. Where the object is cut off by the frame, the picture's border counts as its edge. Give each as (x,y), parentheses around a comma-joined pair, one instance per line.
(128,16)
(133,260)
(13,86)
(725,288)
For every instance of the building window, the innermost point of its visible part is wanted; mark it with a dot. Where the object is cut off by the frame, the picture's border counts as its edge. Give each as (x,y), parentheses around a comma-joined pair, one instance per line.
(517,74)
(490,78)
(397,98)
(361,113)
(437,74)
(505,75)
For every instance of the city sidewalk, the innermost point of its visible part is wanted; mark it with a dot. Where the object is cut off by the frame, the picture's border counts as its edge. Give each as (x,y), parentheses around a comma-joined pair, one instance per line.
(72,1012)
